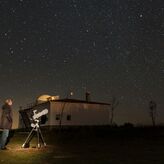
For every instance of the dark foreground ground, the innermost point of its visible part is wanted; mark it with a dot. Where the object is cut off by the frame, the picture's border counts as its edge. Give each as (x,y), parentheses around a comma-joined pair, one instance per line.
(89,145)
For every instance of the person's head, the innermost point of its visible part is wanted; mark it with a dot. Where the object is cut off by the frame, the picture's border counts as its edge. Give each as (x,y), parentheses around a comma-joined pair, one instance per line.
(9,102)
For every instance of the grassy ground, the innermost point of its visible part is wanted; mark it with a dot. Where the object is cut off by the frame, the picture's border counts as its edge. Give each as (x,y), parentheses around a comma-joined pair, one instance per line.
(111,146)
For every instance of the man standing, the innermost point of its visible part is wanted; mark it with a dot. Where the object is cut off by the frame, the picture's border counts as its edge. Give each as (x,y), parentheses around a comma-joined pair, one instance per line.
(6,122)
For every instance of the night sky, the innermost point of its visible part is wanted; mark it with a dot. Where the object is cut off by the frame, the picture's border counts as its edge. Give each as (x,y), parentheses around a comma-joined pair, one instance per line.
(107,47)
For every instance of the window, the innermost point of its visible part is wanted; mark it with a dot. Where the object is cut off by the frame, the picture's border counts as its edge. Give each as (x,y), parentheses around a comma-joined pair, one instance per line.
(68,117)
(57,116)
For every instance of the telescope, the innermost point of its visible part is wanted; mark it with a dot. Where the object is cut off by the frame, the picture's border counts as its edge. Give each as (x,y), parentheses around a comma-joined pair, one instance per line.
(35,128)
(38,115)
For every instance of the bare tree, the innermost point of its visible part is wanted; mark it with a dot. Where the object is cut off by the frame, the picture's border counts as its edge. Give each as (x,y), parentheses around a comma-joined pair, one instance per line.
(153,111)
(114,104)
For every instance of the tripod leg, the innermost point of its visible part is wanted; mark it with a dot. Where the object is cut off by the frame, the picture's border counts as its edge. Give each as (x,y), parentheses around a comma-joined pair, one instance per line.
(38,138)
(28,139)
(41,136)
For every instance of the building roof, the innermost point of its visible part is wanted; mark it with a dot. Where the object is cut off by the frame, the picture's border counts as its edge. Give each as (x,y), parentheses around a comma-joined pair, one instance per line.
(66,101)
(80,101)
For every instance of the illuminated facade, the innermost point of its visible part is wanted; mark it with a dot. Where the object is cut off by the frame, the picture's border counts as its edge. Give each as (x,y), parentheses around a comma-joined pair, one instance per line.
(69,112)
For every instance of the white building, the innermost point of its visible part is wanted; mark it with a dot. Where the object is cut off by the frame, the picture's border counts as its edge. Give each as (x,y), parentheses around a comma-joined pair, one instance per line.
(69,112)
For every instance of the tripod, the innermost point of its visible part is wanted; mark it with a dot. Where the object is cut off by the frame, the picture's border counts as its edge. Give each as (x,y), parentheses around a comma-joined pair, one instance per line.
(35,128)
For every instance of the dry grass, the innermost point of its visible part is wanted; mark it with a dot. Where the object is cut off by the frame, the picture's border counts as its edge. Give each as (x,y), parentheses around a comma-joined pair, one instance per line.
(89,147)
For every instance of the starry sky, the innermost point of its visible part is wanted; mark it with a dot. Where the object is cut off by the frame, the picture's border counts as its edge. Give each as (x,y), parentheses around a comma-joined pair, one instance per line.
(108,47)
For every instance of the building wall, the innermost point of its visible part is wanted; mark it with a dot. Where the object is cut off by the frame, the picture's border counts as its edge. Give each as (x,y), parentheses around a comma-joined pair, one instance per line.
(73,113)
(78,113)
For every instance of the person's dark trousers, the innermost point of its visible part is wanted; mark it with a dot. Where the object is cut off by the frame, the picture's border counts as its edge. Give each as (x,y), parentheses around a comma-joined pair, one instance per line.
(4,136)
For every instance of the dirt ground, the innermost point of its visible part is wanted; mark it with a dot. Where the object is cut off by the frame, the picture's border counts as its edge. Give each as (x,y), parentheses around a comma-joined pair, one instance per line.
(120,146)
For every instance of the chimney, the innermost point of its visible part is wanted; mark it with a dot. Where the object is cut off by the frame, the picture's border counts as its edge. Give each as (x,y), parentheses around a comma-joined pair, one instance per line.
(87,96)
